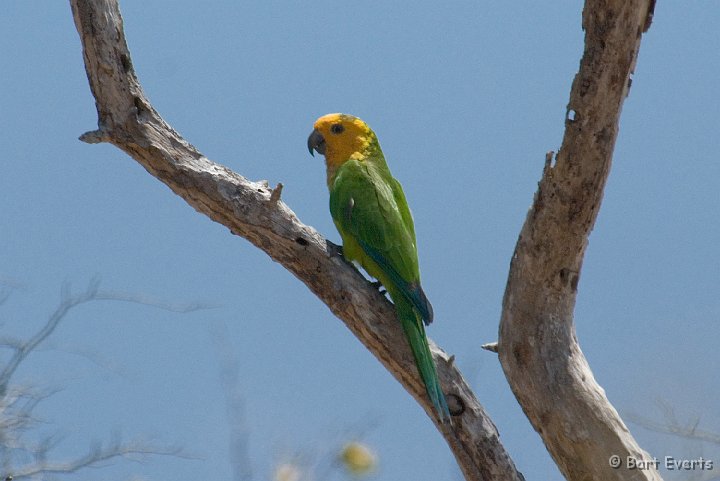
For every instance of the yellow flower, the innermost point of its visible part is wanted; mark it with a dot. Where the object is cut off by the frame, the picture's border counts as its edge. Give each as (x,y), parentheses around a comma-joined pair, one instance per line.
(358,458)
(287,472)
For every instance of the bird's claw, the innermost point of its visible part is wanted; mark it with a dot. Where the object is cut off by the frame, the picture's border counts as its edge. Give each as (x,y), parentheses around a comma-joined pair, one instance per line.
(378,285)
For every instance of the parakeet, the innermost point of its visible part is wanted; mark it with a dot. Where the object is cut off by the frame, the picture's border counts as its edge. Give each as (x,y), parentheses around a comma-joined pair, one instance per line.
(369,209)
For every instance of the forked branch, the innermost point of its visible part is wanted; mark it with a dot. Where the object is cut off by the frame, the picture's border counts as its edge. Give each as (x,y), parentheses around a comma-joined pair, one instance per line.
(251,210)
(537,347)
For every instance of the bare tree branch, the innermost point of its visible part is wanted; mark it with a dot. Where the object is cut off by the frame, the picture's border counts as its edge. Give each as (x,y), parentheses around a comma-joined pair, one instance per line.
(4,294)
(26,347)
(537,347)
(68,302)
(98,455)
(673,426)
(18,403)
(234,405)
(7,286)
(249,209)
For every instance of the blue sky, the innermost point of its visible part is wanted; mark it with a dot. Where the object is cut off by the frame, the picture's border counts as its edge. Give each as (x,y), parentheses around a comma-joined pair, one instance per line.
(466,98)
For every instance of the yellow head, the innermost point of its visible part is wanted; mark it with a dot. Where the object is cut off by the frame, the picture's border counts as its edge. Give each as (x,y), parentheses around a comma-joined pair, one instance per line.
(341,137)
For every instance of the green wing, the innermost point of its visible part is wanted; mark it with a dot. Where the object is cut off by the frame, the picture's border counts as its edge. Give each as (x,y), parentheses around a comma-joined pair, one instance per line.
(368,204)
(372,215)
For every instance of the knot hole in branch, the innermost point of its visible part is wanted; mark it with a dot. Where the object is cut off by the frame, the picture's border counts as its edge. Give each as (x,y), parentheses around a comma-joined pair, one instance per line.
(569,277)
(456,406)
(125,63)
(141,111)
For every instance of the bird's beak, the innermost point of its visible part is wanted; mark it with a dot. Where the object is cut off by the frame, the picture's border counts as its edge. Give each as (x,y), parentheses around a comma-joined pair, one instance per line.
(316,142)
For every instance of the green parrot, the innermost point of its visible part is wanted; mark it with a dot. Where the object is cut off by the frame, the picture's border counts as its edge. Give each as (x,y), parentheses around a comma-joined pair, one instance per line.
(369,209)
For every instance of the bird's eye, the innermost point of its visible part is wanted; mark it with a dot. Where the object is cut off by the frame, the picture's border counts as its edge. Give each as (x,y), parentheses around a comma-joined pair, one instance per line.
(337,128)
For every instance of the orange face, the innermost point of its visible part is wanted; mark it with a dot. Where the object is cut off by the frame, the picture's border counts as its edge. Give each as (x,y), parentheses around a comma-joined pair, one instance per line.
(340,137)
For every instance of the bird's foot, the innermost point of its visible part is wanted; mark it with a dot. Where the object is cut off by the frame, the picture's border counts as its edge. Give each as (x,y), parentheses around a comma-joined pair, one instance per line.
(378,285)
(334,248)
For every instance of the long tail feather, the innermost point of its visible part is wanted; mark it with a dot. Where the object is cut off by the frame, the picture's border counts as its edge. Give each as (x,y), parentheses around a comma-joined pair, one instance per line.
(415,332)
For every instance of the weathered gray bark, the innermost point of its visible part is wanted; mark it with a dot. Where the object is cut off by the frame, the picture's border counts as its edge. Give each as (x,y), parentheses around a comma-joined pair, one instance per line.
(537,347)
(252,210)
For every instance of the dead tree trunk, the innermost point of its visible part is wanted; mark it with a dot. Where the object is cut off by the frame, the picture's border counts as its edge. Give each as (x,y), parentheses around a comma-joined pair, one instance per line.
(254,211)
(538,348)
